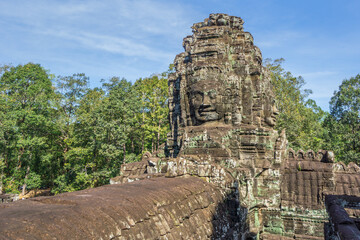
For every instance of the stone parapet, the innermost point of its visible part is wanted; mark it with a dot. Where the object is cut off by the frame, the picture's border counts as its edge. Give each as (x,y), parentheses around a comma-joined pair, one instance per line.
(161,208)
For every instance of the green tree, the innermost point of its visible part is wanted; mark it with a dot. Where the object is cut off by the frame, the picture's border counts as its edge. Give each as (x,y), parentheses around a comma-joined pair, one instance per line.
(119,113)
(4,130)
(72,137)
(71,90)
(105,121)
(27,116)
(343,122)
(81,158)
(298,114)
(153,115)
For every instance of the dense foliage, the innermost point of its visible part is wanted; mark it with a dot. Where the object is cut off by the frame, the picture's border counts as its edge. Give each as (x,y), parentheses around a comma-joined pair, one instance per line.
(343,123)
(298,114)
(57,132)
(307,126)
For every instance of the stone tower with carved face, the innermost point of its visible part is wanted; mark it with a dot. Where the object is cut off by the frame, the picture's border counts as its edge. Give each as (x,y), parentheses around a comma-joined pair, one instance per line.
(219,82)
(222,115)
(222,111)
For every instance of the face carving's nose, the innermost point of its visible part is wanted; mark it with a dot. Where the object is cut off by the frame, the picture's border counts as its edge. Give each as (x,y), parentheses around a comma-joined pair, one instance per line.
(206,101)
(275,111)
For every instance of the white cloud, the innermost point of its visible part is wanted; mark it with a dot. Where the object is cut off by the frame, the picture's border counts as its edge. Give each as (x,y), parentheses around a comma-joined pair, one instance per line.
(128,28)
(153,17)
(111,44)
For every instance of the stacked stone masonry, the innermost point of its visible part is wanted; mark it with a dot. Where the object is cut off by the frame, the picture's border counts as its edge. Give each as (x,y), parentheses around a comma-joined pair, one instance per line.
(174,208)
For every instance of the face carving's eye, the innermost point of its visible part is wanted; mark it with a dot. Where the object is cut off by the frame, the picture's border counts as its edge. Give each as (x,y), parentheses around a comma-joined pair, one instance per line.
(212,94)
(197,96)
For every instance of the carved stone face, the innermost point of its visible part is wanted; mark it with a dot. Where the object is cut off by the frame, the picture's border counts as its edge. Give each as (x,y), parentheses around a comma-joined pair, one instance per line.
(271,112)
(205,102)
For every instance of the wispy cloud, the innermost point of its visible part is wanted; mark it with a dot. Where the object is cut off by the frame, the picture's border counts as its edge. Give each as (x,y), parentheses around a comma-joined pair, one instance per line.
(154,17)
(115,45)
(134,29)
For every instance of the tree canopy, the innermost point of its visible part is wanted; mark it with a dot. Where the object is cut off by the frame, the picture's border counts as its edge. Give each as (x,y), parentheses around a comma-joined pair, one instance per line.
(343,123)
(29,132)
(58,133)
(298,114)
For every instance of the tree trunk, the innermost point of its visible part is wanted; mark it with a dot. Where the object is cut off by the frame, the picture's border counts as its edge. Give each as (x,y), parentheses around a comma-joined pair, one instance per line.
(124,152)
(2,172)
(142,145)
(152,145)
(132,145)
(1,178)
(158,136)
(143,136)
(26,176)
(19,157)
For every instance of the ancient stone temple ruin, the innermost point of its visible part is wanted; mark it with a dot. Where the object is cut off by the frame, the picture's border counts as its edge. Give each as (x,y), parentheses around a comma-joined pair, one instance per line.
(227,173)
(222,118)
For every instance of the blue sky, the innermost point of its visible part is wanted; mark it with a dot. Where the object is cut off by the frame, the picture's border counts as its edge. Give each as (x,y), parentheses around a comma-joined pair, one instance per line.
(319,39)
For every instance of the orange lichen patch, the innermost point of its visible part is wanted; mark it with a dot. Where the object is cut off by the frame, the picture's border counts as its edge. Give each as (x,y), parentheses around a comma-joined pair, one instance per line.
(36,193)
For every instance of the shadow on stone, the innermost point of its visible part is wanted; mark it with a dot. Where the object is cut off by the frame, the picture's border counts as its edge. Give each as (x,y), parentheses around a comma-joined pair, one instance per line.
(229,219)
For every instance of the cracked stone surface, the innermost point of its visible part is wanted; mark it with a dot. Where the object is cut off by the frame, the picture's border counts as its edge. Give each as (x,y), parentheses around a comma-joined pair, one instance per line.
(173,208)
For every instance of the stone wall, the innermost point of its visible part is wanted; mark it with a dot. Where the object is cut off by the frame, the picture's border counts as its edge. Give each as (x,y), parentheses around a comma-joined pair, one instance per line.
(307,178)
(6,198)
(161,208)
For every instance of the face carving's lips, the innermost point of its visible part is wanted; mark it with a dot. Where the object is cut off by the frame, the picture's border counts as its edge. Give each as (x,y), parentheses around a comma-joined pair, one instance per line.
(207,110)
(207,115)
(204,114)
